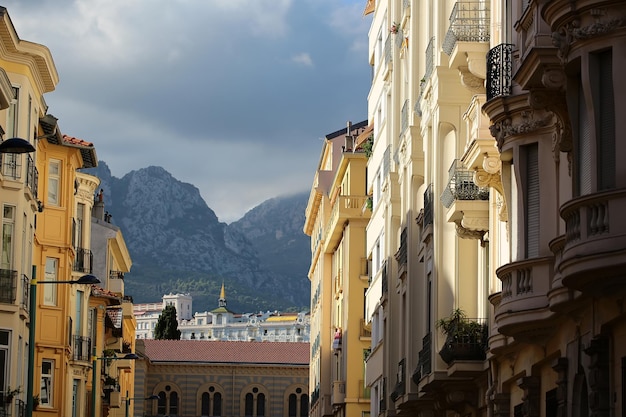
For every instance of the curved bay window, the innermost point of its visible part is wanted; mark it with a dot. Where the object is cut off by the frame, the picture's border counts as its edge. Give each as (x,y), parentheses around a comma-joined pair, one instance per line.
(254,403)
(211,403)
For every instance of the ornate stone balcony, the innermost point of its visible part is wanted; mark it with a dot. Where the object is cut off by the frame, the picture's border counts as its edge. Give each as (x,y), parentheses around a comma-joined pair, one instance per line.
(523,311)
(467,41)
(345,207)
(593,257)
(467,203)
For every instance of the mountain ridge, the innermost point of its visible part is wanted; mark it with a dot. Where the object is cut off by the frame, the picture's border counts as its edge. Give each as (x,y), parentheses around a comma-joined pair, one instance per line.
(178,244)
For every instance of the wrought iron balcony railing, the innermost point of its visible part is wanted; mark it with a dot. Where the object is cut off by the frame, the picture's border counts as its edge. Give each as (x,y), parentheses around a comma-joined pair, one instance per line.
(83,261)
(32,176)
(430,58)
(461,186)
(81,348)
(424,365)
(401,255)
(12,166)
(499,71)
(428,206)
(469,22)
(8,286)
(116,275)
(25,292)
(404,119)
(388,50)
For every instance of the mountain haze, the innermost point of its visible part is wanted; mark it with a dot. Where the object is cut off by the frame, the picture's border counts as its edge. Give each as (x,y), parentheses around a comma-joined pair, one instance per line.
(177,244)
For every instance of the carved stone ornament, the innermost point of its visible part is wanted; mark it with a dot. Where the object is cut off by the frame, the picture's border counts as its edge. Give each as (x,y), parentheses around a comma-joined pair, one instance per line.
(555,102)
(528,123)
(571,32)
(473,83)
(464,233)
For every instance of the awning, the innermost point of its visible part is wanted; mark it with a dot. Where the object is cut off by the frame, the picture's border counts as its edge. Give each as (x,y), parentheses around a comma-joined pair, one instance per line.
(364,135)
(369,7)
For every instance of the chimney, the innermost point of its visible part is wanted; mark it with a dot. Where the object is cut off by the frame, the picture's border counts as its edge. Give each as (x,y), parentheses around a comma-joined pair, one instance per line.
(98,206)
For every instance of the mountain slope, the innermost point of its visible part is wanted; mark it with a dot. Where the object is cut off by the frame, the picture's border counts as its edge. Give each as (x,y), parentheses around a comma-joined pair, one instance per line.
(177,244)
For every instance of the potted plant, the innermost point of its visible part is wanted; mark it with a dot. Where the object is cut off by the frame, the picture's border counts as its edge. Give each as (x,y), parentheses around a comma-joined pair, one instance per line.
(465,338)
(36,401)
(10,394)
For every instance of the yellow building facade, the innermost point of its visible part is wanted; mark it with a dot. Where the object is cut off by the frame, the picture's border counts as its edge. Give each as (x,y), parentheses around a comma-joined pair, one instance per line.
(336,217)
(27,72)
(47,236)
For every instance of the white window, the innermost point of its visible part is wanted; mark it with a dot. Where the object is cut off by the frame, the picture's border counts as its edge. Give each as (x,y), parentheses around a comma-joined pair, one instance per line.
(47,377)
(8,229)
(5,363)
(54,181)
(50,274)
(11,161)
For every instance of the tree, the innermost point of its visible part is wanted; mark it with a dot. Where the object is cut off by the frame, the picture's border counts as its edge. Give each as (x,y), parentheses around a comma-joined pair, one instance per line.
(167,325)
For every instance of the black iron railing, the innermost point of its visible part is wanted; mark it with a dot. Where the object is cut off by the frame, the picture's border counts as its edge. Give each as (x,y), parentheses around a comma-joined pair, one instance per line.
(84,261)
(401,255)
(116,275)
(461,186)
(25,292)
(8,286)
(32,176)
(469,22)
(499,71)
(12,166)
(428,206)
(384,279)
(81,348)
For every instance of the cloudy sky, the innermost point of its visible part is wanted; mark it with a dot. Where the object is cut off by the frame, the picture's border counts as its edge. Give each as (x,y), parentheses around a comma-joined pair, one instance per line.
(232,96)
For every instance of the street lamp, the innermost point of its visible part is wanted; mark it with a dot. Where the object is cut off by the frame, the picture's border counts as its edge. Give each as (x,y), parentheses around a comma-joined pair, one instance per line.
(32,311)
(128,400)
(94,375)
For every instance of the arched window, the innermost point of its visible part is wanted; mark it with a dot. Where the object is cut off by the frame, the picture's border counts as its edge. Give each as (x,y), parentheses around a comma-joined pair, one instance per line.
(260,405)
(298,404)
(211,405)
(173,404)
(249,405)
(161,408)
(254,405)
(168,402)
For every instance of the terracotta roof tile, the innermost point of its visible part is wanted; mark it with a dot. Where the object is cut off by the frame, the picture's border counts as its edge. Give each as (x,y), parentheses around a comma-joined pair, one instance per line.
(87,150)
(287,353)
(76,141)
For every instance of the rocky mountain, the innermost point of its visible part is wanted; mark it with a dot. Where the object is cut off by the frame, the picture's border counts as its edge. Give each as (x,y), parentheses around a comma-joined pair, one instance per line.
(177,244)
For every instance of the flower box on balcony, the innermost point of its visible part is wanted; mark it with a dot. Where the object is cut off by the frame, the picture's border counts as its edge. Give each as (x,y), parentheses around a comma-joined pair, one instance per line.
(465,338)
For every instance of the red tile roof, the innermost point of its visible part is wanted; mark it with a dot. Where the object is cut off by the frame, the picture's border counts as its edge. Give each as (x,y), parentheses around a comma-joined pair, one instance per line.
(286,353)
(76,141)
(87,150)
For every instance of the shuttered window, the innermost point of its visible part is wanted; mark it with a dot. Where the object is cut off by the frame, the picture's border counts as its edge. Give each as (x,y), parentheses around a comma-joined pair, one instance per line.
(532,200)
(584,147)
(604,110)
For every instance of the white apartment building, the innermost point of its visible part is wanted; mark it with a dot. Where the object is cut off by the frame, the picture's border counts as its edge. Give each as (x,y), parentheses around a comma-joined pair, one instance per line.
(222,323)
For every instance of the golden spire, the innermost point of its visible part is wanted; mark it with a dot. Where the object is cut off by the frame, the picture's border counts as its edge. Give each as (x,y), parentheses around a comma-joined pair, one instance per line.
(223,292)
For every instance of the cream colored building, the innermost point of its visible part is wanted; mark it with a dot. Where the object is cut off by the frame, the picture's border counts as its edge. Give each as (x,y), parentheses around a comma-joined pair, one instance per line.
(429,238)
(496,187)
(336,217)
(222,323)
